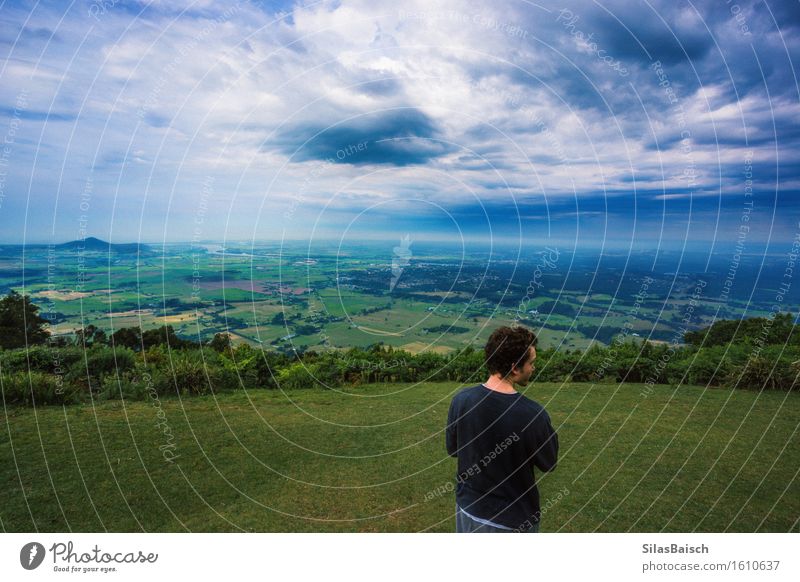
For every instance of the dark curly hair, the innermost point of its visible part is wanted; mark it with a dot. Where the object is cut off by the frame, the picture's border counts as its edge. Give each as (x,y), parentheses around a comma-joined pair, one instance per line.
(508,347)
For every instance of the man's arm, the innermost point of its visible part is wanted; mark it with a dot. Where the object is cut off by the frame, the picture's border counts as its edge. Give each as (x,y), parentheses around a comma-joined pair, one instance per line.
(545,455)
(450,434)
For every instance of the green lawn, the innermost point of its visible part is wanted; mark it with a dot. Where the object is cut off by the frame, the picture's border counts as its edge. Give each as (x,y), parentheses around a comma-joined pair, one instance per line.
(371,459)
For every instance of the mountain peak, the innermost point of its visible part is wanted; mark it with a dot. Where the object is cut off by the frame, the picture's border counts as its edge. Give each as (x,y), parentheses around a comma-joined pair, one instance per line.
(95,244)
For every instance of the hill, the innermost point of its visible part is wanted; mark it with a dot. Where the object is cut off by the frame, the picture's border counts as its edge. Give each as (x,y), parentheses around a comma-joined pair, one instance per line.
(96,245)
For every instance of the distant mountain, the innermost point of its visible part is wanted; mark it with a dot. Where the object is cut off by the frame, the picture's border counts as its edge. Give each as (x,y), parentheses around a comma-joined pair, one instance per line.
(97,245)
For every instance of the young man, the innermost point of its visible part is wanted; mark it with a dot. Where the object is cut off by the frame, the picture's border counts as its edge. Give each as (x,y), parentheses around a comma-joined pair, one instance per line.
(499,435)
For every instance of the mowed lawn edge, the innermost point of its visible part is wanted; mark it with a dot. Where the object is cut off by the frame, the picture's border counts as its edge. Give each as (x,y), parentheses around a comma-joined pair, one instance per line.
(371,458)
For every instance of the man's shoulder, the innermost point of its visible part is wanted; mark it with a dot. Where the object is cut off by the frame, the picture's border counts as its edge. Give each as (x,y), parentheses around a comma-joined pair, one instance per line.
(522,404)
(530,403)
(536,410)
(467,393)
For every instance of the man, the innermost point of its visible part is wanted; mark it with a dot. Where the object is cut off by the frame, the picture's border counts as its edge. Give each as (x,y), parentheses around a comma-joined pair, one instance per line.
(499,436)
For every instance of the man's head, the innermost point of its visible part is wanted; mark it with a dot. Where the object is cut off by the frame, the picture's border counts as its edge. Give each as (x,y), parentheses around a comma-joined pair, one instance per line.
(510,353)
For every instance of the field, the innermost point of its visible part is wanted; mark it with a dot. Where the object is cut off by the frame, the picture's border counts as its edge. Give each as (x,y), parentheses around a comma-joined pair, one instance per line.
(371,458)
(293,297)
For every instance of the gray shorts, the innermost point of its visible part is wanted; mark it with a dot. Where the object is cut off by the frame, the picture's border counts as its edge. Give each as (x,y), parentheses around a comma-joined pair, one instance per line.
(465,523)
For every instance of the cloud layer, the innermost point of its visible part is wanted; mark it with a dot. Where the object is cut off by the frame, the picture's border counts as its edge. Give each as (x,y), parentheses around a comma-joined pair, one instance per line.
(653,122)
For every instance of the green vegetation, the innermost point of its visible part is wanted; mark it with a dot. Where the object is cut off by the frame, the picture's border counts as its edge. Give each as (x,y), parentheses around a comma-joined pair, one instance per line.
(67,374)
(132,365)
(755,331)
(372,458)
(20,322)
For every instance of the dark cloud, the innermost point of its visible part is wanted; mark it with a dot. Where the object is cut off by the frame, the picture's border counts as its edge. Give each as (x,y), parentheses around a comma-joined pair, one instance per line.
(698,44)
(639,35)
(34,33)
(765,174)
(567,82)
(381,87)
(400,138)
(36,115)
(785,12)
(156,120)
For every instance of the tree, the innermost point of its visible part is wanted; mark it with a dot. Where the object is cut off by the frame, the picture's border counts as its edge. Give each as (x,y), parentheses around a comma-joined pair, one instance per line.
(20,323)
(90,335)
(128,337)
(165,335)
(221,342)
(778,330)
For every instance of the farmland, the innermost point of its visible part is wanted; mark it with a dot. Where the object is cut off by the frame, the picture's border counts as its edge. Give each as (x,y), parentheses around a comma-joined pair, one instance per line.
(439,298)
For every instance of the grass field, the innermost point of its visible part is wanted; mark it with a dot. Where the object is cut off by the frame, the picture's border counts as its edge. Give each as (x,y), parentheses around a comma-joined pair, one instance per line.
(371,459)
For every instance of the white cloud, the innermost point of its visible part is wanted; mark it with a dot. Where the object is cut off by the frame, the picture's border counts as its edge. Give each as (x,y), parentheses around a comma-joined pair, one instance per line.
(214,91)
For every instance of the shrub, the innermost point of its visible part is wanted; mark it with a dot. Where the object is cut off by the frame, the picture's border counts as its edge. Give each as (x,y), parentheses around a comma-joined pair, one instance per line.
(40,358)
(299,375)
(194,372)
(101,361)
(37,389)
(709,367)
(124,386)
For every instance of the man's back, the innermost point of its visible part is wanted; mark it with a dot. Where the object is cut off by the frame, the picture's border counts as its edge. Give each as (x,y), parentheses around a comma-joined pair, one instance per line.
(498,439)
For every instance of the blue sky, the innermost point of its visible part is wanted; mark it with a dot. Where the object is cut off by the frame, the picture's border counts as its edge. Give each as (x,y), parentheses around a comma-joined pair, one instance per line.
(627,124)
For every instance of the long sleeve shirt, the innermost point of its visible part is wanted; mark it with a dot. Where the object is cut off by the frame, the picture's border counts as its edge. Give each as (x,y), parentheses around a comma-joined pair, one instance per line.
(499,439)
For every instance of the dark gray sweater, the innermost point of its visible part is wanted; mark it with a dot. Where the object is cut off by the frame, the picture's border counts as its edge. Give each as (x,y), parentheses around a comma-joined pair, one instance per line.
(499,439)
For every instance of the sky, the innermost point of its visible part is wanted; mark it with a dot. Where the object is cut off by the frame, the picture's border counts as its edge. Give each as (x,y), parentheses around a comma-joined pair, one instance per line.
(621,124)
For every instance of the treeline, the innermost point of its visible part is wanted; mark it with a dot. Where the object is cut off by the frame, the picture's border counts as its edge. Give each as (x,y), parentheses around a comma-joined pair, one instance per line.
(759,354)
(779,330)
(72,373)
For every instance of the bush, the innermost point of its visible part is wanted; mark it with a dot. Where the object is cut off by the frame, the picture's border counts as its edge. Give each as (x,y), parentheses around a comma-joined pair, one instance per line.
(37,389)
(709,367)
(194,372)
(122,373)
(125,386)
(101,361)
(39,358)
(189,373)
(299,375)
